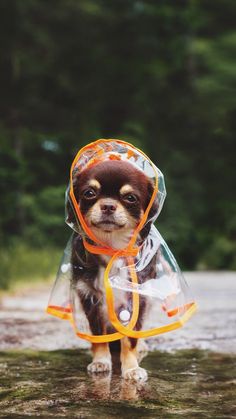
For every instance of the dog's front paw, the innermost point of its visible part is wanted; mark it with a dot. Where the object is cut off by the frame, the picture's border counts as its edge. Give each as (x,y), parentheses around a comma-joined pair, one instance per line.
(136,374)
(99,366)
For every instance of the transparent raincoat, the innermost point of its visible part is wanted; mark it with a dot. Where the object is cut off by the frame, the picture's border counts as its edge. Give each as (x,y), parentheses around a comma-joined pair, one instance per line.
(145,293)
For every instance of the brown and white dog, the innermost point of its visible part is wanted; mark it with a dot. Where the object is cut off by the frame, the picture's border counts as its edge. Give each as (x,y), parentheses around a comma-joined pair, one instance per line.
(112,196)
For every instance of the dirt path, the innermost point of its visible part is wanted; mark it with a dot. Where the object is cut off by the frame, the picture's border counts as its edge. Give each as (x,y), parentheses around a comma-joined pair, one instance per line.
(25,325)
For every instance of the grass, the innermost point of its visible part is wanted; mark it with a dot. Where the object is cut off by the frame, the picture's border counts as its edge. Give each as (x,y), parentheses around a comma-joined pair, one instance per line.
(23,264)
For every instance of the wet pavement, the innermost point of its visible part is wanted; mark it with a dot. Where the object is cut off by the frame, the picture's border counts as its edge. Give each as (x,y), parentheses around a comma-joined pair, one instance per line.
(25,325)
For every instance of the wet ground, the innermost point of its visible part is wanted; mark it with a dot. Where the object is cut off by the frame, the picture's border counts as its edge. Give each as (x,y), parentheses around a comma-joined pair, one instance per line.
(192,371)
(187,384)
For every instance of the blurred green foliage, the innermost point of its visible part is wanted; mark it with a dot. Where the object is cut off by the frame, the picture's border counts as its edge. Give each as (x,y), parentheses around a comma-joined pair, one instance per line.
(160,74)
(23,264)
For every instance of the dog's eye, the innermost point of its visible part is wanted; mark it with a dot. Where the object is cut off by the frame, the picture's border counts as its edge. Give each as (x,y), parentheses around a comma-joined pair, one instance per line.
(130,198)
(89,193)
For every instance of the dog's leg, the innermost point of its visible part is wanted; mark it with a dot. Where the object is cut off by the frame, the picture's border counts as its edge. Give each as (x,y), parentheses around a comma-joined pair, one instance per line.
(129,363)
(101,358)
(142,349)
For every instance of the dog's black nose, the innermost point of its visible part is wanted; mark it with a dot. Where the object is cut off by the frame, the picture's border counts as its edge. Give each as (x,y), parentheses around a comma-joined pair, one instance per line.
(108,208)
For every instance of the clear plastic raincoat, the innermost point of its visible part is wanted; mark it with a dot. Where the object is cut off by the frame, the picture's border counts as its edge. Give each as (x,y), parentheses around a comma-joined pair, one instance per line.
(145,293)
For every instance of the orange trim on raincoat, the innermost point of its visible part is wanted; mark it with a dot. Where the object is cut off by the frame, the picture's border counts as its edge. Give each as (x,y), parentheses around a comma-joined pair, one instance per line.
(104,249)
(129,252)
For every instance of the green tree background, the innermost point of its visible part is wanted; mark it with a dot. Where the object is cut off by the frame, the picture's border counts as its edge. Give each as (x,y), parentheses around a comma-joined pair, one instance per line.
(160,74)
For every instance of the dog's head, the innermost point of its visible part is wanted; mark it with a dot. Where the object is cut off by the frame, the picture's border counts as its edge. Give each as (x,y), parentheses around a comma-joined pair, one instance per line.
(112,196)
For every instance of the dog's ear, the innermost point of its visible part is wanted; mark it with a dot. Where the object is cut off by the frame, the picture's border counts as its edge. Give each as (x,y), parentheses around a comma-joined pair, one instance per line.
(153,211)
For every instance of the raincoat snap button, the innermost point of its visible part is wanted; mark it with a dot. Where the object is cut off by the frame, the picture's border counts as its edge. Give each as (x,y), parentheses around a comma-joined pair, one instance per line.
(124,315)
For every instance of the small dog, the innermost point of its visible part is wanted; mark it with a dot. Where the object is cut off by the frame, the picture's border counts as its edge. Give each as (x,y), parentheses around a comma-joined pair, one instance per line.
(112,196)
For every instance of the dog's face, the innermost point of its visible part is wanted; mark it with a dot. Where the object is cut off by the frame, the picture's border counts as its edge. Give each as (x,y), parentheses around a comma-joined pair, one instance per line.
(113,196)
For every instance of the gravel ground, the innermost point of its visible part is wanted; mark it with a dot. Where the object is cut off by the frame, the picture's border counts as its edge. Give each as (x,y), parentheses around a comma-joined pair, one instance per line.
(25,325)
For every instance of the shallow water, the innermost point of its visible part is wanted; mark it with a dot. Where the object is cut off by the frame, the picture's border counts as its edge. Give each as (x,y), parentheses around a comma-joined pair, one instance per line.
(187,384)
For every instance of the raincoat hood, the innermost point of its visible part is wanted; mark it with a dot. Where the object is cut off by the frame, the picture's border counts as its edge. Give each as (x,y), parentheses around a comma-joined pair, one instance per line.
(141,281)
(107,150)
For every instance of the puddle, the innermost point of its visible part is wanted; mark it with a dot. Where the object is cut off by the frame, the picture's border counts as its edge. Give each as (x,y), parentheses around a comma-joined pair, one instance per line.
(189,383)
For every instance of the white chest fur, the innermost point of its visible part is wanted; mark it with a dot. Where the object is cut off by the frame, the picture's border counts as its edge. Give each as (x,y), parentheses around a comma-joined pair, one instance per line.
(96,290)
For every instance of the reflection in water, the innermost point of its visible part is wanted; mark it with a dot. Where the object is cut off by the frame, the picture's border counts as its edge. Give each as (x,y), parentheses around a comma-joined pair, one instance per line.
(110,385)
(132,390)
(106,387)
(101,385)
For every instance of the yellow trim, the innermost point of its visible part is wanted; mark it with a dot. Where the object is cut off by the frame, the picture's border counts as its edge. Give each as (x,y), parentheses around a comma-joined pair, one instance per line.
(125,330)
(118,336)
(91,338)
(188,314)
(102,338)
(60,314)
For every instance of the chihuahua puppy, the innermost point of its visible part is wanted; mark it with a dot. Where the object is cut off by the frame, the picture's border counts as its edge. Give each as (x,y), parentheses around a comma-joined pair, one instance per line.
(112,196)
